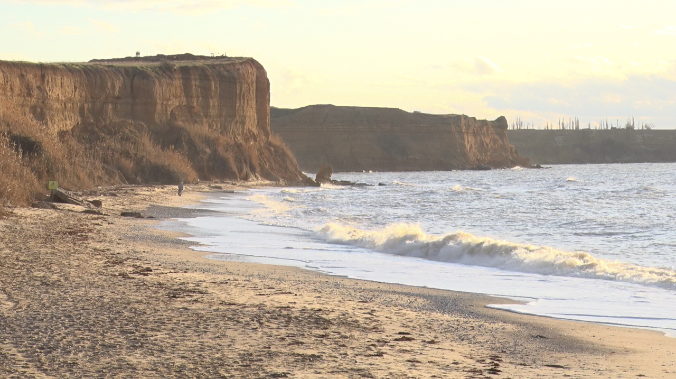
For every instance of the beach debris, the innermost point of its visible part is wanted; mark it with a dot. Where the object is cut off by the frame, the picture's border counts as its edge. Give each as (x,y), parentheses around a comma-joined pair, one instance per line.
(62,196)
(93,212)
(43,205)
(143,271)
(96,203)
(132,214)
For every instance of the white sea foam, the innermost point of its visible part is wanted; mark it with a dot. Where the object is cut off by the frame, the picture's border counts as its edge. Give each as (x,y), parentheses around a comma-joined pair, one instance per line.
(459,188)
(271,206)
(463,248)
(330,186)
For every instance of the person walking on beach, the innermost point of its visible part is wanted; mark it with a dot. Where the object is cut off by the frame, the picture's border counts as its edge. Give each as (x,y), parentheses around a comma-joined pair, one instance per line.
(180,188)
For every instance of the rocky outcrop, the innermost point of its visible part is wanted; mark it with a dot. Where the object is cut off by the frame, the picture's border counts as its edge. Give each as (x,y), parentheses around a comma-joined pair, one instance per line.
(163,118)
(388,139)
(324,174)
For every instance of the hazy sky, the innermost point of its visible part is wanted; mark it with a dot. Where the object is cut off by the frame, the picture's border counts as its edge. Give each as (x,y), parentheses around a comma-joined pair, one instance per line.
(538,60)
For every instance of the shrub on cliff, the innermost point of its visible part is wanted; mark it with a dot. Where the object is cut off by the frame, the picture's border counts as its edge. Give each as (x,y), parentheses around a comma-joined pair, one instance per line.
(18,184)
(30,156)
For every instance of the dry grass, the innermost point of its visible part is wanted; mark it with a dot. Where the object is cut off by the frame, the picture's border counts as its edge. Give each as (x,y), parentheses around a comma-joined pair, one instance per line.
(18,185)
(128,152)
(31,155)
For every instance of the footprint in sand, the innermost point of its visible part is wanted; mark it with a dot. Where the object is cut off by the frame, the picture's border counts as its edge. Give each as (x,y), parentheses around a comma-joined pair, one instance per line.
(4,302)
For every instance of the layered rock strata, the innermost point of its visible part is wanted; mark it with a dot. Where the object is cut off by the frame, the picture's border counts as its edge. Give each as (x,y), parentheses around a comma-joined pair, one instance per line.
(388,139)
(211,112)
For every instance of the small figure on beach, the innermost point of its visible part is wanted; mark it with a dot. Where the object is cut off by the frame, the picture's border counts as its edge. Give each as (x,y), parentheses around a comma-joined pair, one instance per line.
(180,188)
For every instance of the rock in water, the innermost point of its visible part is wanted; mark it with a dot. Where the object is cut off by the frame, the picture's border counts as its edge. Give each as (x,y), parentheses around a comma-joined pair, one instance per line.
(324,174)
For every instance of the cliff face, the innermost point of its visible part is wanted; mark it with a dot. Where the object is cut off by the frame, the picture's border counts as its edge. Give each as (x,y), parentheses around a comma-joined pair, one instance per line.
(388,139)
(595,146)
(211,114)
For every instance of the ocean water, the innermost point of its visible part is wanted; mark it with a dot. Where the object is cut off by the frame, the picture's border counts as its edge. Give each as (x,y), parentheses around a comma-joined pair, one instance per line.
(582,242)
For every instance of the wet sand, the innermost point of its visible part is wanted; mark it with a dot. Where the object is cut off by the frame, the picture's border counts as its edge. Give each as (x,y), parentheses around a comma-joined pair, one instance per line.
(105,296)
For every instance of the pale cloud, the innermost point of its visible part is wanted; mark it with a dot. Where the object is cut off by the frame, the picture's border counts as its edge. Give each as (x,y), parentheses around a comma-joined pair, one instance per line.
(27,27)
(549,57)
(668,31)
(649,97)
(358,7)
(594,66)
(653,67)
(575,46)
(595,60)
(104,26)
(485,66)
(290,80)
(173,6)
(72,30)
(627,27)
(479,65)
(13,57)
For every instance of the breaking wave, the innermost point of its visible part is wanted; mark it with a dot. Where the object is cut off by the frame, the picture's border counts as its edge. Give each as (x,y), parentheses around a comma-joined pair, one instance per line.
(459,188)
(463,248)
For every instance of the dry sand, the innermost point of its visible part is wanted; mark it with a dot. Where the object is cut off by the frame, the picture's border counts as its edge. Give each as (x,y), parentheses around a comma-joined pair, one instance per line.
(91,296)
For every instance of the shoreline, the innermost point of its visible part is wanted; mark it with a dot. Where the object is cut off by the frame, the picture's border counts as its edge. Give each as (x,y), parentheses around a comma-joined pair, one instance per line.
(87,295)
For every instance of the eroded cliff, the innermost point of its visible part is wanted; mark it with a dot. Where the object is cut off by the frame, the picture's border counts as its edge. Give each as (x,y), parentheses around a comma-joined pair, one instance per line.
(154,119)
(388,139)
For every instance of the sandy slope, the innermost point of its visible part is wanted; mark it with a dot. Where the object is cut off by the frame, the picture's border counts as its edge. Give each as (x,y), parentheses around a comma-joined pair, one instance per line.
(106,296)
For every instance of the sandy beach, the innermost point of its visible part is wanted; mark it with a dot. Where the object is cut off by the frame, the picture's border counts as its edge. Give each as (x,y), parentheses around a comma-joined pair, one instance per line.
(106,296)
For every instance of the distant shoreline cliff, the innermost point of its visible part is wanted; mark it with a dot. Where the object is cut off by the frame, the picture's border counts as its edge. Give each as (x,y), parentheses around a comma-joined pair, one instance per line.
(595,146)
(389,139)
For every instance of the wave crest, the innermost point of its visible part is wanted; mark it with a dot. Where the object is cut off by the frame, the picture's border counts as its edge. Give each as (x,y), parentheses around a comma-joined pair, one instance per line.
(463,248)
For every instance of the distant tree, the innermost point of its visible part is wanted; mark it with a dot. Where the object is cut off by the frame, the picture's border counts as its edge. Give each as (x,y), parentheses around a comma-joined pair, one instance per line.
(138,54)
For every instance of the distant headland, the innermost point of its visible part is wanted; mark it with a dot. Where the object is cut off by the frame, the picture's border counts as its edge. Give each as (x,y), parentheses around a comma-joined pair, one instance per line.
(571,146)
(390,139)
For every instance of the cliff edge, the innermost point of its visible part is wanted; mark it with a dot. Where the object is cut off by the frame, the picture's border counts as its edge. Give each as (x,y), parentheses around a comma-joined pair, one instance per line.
(134,120)
(389,139)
